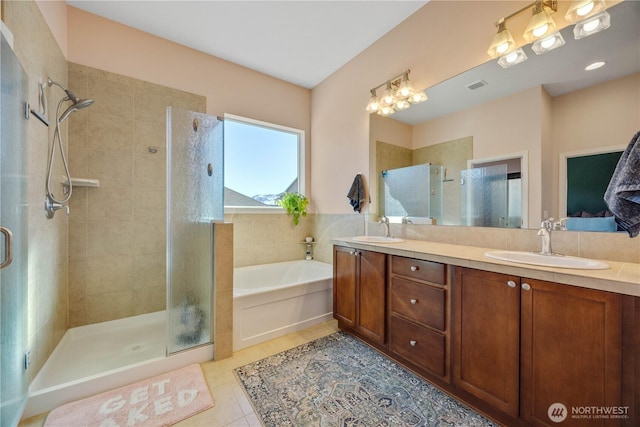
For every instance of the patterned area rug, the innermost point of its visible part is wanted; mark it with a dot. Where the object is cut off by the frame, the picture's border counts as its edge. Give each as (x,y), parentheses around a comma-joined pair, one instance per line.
(339,381)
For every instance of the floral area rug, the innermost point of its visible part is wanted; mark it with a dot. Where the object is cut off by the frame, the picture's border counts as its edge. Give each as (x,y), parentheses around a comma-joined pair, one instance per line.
(339,381)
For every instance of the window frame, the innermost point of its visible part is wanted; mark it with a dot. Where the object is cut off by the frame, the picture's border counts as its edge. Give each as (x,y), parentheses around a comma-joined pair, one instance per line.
(301,164)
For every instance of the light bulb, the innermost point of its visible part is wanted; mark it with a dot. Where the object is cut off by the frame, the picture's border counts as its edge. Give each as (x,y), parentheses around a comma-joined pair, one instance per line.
(511,58)
(541,30)
(402,105)
(591,25)
(585,10)
(548,42)
(502,48)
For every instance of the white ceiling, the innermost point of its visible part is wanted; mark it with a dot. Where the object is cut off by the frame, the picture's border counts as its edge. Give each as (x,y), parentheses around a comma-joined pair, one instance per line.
(302,42)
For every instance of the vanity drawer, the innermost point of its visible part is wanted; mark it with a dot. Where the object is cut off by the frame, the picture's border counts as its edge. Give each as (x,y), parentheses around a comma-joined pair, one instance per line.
(418,269)
(421,346)
(418,302)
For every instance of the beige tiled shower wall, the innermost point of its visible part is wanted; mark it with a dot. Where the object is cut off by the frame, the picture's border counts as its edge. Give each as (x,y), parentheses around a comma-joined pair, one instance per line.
(41,57)
(117,231)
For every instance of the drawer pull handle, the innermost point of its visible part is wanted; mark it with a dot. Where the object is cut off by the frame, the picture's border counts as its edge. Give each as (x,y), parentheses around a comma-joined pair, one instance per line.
(414,268)
(413,301)
(526,286)
(511,284)
(413,343)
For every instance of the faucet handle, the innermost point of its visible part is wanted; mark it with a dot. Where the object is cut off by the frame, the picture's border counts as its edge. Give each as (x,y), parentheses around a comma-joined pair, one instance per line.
(547,224)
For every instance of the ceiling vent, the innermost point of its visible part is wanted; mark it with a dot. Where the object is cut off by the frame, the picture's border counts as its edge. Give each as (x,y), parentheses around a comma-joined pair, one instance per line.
(476,85)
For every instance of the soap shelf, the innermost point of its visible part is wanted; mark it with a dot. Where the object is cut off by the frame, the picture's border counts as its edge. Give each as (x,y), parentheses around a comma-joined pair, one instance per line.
(82,182)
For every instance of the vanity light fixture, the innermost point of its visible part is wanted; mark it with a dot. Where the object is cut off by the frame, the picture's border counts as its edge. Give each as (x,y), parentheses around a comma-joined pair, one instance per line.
(541,24)
(513,58)
(546,44)
(592,25)
(582,9)
(502,42)
(398,95)
(589,17)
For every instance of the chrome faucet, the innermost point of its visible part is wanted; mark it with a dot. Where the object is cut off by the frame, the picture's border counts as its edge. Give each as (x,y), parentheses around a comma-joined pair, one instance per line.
(51,206)
(385,222)
(545,232)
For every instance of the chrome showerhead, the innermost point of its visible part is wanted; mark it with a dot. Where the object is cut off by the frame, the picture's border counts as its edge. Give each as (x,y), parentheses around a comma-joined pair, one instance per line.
(78,104)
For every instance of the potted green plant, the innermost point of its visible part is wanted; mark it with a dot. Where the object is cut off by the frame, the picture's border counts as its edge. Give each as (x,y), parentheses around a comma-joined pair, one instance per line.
(295,204)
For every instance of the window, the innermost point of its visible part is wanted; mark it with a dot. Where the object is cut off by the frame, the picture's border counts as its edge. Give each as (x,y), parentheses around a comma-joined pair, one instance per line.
(262,161)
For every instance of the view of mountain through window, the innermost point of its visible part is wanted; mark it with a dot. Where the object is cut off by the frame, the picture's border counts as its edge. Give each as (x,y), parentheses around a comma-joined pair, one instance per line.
(261,162)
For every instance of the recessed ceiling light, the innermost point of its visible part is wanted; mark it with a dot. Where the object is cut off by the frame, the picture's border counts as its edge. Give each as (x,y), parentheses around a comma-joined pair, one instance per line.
(595,66)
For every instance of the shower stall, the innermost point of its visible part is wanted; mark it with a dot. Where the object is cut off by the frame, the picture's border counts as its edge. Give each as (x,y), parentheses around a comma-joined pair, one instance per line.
(98,357)
(13,237)
(413,193)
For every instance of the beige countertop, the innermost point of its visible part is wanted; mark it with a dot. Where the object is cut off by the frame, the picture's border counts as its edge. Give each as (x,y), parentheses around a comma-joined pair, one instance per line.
(622,277)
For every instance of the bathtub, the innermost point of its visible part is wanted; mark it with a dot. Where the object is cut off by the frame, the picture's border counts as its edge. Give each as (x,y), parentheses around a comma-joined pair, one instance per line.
(271,300)
(95,358)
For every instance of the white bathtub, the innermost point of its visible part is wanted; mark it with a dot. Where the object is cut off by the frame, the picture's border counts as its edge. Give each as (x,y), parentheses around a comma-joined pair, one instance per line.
(271,300)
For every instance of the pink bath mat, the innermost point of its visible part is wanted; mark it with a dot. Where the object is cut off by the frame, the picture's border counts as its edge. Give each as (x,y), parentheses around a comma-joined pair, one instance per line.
(159,401)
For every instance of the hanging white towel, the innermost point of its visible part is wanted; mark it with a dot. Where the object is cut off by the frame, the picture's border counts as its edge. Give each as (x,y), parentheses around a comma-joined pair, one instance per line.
(623,193)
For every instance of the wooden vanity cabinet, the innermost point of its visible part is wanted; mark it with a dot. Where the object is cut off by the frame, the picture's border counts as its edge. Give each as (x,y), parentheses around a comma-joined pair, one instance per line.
(571,351)
(418,314)
(486,337)
(359,292)
(522,345)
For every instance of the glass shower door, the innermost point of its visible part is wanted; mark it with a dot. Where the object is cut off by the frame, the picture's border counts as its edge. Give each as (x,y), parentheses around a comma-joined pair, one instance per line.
(194,200)
(406,191)
(483,193)
(13,240)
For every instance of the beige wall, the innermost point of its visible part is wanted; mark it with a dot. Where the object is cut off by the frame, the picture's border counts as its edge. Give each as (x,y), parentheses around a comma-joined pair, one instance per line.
(40,56)
(100,43)
(340,124)
(578,119)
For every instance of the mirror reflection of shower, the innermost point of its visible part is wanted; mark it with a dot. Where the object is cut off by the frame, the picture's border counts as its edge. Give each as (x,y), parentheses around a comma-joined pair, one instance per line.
(51,203)
(413,194)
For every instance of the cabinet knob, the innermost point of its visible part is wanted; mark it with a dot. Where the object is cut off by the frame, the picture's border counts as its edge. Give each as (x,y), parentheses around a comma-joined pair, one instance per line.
(413,301)
(414,268)
(413,343)
(511,284)
(526,286)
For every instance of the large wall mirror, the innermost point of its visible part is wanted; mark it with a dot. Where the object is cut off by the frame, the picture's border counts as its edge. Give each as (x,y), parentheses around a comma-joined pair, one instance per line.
(530,118)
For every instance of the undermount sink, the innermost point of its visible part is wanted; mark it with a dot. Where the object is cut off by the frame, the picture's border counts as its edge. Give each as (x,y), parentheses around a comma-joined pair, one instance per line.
(377,239)
(560,261)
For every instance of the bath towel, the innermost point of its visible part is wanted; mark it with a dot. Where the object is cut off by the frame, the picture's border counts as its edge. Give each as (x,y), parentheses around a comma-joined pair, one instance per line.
(356,194)
(623,193)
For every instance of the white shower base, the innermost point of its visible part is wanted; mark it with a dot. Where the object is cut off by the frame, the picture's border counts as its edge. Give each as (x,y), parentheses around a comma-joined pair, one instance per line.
(95,358)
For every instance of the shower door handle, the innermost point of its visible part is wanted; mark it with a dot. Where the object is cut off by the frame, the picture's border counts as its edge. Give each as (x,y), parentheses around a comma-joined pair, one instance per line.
(8,247)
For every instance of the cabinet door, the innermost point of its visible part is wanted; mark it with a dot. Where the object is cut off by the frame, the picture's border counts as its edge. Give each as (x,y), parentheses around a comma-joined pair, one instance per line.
(486,337)
(571,351)
(371,295)
(344,285)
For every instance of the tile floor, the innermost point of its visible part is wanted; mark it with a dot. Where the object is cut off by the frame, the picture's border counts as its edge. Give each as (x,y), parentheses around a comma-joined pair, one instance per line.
(232,408)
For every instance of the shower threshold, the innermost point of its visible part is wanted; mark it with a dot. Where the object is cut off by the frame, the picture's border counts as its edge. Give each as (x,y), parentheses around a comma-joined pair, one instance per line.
(95,358)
